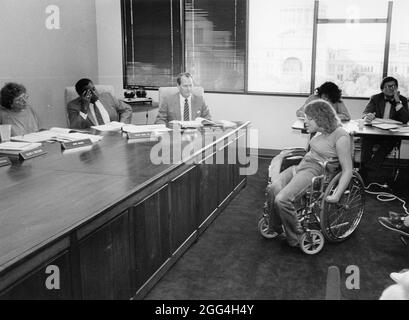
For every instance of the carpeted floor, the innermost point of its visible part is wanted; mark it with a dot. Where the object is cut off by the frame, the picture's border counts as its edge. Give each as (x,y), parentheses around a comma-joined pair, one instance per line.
(231,260)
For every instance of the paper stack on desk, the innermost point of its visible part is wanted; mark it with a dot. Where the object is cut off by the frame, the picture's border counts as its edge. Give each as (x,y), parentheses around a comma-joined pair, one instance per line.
(401,129)
(56,134)
(11,148)
(131,128)
(201,122)
(197,123)
(381,120)
(385,126)
(112,126)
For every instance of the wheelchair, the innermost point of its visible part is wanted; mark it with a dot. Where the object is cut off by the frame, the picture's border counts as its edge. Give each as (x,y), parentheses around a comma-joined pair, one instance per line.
(322,221)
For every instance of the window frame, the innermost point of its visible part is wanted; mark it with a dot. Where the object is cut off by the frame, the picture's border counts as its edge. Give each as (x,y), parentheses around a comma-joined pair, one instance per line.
(316,22)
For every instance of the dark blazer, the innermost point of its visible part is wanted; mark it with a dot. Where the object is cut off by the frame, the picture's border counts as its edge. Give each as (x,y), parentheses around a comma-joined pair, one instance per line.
(170,108)
(377,104)
(117,110)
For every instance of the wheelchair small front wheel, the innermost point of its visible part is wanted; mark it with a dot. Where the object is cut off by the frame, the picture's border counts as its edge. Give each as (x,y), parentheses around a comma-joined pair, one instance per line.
(263,227)
(312,242)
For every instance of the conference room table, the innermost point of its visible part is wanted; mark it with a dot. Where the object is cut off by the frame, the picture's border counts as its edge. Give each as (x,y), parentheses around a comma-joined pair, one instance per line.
(108,220)
(353,128)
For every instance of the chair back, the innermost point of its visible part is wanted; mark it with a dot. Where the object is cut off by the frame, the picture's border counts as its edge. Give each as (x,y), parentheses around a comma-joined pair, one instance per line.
(70,94)
(168,91)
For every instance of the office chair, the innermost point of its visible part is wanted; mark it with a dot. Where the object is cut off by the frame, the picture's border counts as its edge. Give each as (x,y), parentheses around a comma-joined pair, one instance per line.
(70,94)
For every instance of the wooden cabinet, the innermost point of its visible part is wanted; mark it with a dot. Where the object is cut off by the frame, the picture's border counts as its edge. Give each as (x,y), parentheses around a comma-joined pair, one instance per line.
(105,268)
(36,284)
(208,198)
(184,207)
(150,237)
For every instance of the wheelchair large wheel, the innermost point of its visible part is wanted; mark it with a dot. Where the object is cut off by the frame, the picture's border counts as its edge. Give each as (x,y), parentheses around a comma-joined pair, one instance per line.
(312,242)
(339,220)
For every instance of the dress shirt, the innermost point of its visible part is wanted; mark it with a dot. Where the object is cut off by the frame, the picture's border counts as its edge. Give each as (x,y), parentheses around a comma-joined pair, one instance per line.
(102,111)
(387,109)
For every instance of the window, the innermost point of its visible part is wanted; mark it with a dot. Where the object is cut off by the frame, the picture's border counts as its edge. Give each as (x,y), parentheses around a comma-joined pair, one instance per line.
(290,47)
(280,46)
(152,47)
(294,46)
(352,50)
(216,43)
(351,35)
(399,50)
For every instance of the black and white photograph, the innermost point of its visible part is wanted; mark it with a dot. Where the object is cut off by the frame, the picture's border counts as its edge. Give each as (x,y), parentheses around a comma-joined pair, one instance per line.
(204,157)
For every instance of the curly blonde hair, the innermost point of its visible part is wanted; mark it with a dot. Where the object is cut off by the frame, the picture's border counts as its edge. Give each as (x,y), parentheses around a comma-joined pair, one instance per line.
(323,114)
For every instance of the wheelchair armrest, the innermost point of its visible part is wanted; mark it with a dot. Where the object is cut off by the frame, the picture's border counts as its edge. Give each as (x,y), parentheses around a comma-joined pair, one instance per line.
(331,166)
(296,152)
(294,158)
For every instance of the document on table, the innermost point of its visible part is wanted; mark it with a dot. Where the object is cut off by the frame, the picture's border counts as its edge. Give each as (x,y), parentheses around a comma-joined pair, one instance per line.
(401,129)
(41,136)
(131,128)
(18,146)
(48,135)
(381,120)
(112,126)
(385,126)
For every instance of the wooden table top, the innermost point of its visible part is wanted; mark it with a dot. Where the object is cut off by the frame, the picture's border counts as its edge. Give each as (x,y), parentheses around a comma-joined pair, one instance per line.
(44,197)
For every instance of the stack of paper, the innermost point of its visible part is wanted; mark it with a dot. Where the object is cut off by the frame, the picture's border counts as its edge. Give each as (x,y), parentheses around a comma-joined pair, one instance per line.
(381,120)
(14,148)
(112,126)
(227,123)
(35,136)
(401,129)
(56,134)
(197,123)
(148,128)
(385,126)
(80,136)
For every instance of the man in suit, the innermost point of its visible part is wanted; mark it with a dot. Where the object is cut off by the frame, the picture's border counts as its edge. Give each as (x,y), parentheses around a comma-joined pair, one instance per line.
(183,105)
(92,108)
(388,104)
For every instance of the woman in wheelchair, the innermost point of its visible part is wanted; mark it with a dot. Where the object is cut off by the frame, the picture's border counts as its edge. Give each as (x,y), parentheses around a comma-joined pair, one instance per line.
(283,194)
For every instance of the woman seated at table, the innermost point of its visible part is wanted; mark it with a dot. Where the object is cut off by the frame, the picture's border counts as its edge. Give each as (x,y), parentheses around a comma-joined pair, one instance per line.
(15,110)
(330,92)
(331,141)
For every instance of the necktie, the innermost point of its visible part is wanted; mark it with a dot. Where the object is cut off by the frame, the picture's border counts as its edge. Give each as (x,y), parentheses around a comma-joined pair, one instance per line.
(186,111)
(98,115)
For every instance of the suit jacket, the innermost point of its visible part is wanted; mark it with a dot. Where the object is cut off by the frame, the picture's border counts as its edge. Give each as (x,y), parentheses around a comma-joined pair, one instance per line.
(117,111)
(170,109)
(377,105)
